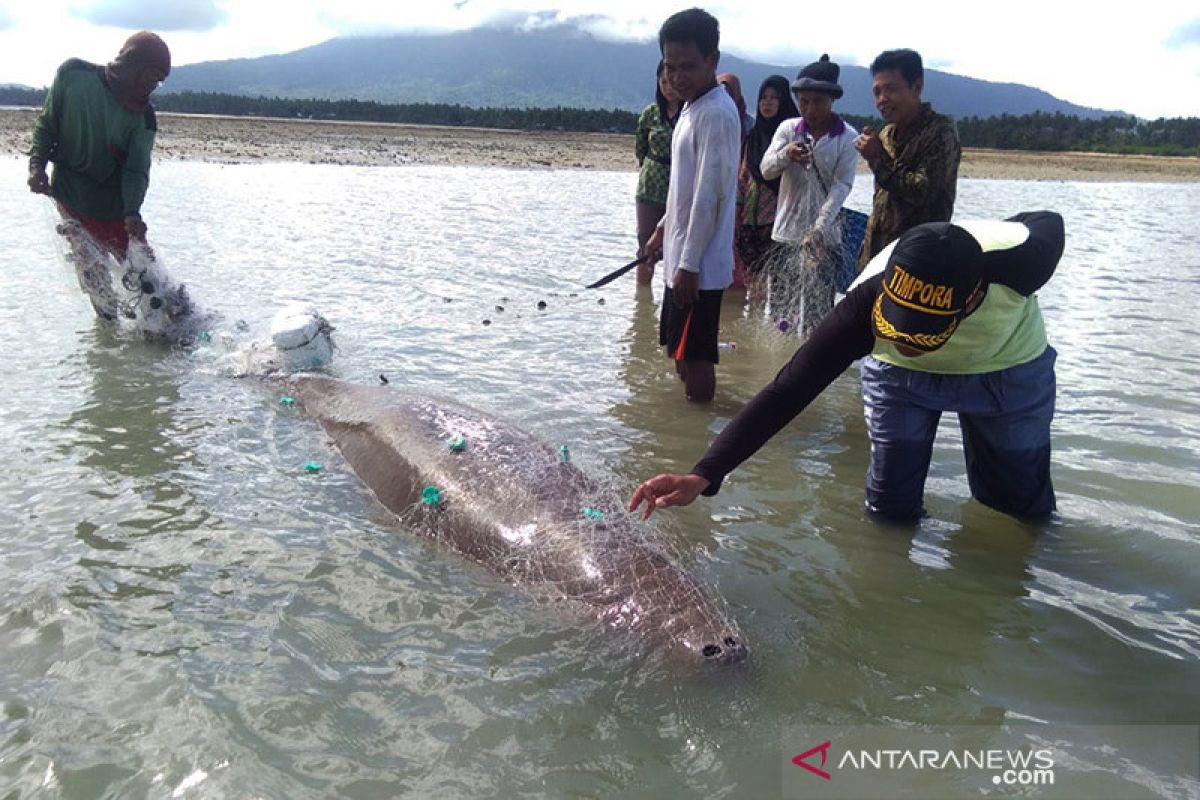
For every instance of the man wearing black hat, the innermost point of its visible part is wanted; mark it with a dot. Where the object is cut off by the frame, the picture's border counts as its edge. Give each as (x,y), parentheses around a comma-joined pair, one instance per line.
(815,160)
(914,158)
(946,320)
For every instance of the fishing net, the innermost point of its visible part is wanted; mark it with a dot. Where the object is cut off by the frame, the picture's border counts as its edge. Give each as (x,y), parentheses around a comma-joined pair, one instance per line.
(797,278)
(144,296)
(799,284)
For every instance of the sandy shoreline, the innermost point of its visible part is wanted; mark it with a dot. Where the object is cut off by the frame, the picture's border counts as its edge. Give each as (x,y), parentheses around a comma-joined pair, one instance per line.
(253,139)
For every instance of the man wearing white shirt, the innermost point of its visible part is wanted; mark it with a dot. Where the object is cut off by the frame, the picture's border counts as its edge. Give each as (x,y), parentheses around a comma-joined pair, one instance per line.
(815,156)
(695,238)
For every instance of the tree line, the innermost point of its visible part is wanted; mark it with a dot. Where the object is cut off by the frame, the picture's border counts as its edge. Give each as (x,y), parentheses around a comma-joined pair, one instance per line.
(1037,131)
(523,119)
(1058,132)
(1055,132)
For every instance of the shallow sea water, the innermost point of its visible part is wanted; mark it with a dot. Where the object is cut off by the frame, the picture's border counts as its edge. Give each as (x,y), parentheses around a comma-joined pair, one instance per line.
(185,612)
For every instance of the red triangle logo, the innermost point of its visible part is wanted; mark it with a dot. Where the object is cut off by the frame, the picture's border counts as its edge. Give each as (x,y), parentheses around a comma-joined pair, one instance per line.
(823,749)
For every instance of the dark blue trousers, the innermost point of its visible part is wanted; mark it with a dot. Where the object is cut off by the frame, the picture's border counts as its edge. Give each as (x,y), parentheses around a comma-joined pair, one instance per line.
(1005,421)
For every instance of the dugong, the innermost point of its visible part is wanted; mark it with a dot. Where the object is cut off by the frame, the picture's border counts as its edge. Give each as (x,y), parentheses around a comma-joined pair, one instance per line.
(504,498)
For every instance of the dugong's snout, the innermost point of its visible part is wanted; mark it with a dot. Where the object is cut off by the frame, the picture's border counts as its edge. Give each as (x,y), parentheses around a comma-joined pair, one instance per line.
(671,605)
(727,649)
(710,638)
(694,631)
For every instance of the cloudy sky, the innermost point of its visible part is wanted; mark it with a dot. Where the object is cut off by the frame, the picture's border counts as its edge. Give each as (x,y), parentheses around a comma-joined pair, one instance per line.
(1143,57)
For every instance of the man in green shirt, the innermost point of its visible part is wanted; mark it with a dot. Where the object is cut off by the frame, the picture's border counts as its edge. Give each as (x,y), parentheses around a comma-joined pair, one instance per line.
(97,127)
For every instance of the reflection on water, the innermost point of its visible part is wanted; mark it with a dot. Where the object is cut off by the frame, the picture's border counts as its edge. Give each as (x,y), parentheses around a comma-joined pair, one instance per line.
(184,608)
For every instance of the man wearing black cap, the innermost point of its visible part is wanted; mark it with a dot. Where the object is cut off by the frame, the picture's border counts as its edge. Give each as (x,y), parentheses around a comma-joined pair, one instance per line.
(914,158)
(946,320)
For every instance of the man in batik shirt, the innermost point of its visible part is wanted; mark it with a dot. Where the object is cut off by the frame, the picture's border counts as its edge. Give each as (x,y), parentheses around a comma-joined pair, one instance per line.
(914,158)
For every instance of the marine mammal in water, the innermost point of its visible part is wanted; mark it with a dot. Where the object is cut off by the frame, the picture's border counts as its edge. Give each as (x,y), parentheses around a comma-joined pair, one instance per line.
(507,500)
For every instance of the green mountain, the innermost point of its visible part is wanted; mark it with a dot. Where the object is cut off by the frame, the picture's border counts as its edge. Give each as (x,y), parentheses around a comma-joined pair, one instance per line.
(557,66)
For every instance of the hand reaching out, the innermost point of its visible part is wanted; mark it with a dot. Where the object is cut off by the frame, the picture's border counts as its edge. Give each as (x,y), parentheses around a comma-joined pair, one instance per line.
(666,490)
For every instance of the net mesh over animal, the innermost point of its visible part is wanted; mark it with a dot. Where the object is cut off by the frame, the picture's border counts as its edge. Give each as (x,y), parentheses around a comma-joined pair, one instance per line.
(506,499)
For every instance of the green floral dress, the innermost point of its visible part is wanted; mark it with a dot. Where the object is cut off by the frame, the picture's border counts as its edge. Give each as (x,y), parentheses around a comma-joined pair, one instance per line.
(652,146)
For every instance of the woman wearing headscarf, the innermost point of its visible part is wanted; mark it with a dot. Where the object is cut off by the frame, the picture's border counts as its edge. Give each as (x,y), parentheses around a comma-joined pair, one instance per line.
(757,194)
(733,85)
(97,127)
(652,146)
(814,159)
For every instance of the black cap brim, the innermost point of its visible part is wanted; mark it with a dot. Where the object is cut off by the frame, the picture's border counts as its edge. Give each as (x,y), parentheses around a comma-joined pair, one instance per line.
(811,85)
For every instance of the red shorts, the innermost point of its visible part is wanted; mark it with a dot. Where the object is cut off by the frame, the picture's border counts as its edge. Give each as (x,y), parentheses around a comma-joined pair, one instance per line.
(108,233)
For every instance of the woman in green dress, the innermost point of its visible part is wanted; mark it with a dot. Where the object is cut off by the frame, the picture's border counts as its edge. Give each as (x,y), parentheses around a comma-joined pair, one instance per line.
(652,146)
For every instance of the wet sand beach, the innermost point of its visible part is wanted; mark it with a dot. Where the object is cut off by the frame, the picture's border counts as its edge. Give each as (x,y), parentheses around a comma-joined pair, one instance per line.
(250,139)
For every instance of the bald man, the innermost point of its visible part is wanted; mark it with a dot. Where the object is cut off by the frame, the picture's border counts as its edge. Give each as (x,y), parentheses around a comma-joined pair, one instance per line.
(97,127)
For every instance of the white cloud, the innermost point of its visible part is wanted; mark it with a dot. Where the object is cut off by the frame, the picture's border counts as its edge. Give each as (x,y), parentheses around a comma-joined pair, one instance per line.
(156,15)
(1186,35)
